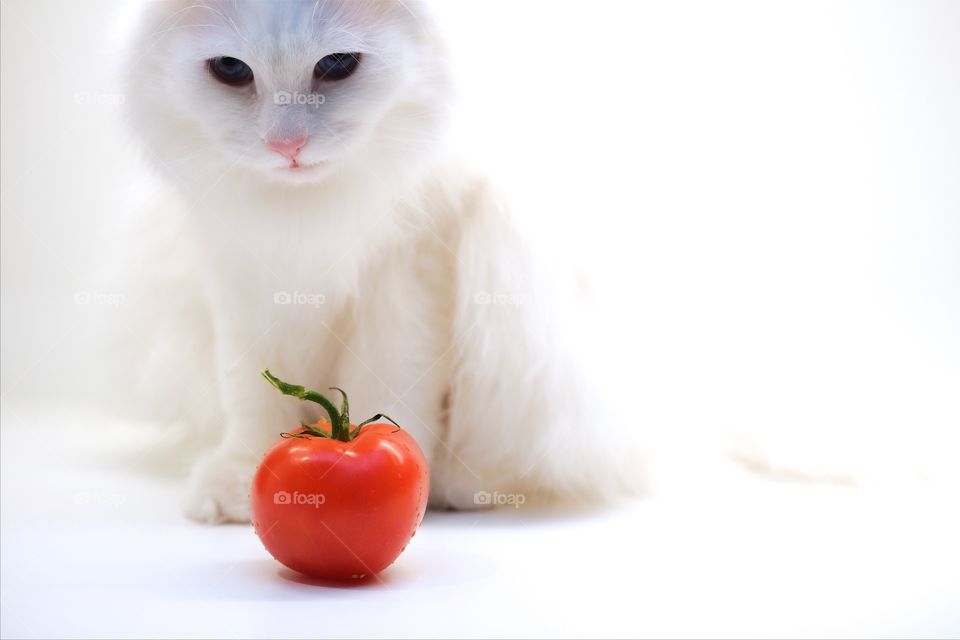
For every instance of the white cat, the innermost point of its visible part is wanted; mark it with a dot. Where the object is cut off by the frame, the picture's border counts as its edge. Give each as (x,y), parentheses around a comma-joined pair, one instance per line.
(320,226)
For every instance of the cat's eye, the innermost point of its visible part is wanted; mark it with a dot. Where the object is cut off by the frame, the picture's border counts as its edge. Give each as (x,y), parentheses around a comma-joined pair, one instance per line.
(231,71)
(336,66)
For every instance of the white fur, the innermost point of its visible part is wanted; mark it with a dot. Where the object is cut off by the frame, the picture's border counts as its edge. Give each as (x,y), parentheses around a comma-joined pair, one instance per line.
(434,309)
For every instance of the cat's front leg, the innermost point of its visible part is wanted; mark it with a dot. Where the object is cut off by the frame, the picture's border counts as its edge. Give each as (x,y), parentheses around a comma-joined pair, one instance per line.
(218,489)
(255,414)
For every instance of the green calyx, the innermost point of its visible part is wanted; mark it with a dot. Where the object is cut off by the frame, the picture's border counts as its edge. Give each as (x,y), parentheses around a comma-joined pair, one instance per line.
(339,418)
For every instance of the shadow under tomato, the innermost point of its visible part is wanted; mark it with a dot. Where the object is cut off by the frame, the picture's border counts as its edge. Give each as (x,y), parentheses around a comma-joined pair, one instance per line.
(378,581)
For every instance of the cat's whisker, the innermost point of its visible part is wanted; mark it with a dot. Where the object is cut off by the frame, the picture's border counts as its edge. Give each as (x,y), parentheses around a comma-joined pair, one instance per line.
(199,5)
(217,12)
(316,6)
(178,27)
(177,14)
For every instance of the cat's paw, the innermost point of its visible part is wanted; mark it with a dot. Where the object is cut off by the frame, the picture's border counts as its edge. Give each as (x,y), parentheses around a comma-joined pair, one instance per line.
(218,489)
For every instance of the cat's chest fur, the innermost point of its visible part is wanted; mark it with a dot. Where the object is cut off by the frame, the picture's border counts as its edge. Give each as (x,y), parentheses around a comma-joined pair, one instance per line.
(313,267)
(313,244)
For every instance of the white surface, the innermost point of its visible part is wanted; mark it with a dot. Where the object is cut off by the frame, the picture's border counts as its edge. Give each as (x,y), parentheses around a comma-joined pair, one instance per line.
(91,549)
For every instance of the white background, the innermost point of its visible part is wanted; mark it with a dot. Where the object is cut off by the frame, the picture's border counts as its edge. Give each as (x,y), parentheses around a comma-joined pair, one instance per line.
(767,198)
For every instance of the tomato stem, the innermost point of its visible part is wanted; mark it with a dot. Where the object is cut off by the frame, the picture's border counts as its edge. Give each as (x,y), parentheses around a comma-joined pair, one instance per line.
(339,419)
(339,422)
(379,416)
(344,412)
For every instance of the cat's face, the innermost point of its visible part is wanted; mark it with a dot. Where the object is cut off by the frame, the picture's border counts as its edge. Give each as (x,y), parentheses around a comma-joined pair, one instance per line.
(293,90)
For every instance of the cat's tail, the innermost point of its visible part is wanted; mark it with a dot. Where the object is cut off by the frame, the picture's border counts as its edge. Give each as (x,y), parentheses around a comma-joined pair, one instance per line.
(527,414)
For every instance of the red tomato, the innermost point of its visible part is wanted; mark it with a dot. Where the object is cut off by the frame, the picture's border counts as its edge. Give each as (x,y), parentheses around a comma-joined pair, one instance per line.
(339,507)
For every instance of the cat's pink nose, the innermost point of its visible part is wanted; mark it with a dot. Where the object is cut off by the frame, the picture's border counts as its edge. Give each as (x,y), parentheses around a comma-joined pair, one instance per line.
(288,148)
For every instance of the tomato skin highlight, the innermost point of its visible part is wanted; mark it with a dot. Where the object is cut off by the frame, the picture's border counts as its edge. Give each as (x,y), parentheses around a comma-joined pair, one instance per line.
(340,510)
